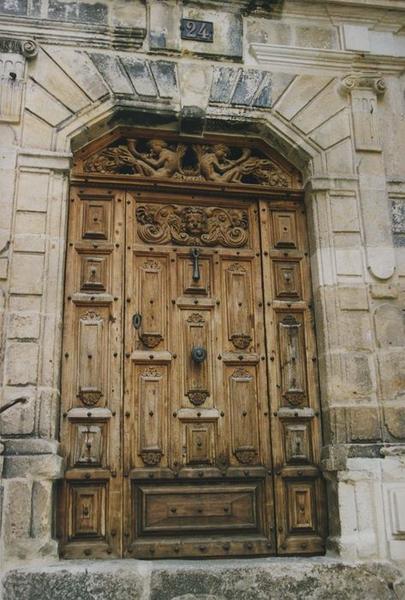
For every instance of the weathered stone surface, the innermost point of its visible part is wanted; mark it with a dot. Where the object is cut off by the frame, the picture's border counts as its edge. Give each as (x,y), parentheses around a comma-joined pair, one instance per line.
(278,579)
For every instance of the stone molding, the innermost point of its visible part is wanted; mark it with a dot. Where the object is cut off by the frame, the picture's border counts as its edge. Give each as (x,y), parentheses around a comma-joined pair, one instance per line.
(26,47)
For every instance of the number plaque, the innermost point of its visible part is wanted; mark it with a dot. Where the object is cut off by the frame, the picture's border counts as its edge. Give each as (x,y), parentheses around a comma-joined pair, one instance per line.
(200,31)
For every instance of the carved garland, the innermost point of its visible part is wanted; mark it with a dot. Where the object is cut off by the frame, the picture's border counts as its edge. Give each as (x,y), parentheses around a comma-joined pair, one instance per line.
(161,159)
(192,225)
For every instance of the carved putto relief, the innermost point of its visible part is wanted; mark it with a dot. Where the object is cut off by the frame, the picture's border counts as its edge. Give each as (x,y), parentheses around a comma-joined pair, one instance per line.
(157,158)
(192,225)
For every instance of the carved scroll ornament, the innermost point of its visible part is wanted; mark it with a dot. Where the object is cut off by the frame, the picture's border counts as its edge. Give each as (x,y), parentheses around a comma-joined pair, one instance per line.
(192,225)
(188,162)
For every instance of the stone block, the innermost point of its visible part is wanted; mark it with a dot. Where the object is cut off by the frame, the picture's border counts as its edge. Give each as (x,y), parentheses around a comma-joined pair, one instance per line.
(55,81)
(344,210)
(21,363)
(323,106)
(228,31)
(164,30)
(82,70)
(17,510)
(303,89)
(392,373)
(333,131)
(195,85)
(27,273)
(398,222)
(23,325)
(394,419)
(359,374)
(140,76)
(316,37)
(356,332)
(32,191)
(45,466)
(19,419)
(349,261)
(112,72)
(82,12)
(356,38)
(339,158)
(165,76)
(30,222)
(30,243)
(389,323)
(45,106)
(353,298)
(49,406)
(364,424)
(243,87)
(381,290)
(14,7)
(42,509)
(268,32)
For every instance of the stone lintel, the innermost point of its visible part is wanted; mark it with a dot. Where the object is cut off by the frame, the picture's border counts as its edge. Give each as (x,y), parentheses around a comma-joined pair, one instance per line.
(35,158)
(45,466)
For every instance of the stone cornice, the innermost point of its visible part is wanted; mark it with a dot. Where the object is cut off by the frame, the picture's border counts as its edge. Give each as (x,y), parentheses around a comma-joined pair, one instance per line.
(323,61)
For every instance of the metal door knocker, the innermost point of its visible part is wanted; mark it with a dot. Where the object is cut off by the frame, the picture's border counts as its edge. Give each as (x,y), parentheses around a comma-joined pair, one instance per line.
(195,254)
(198,354)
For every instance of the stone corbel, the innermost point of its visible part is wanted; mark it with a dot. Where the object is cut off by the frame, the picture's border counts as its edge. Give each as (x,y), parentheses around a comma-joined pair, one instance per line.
(364,88)
(13,56)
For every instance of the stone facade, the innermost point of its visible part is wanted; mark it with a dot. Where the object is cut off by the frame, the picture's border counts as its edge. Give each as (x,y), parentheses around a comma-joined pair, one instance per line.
(323,83)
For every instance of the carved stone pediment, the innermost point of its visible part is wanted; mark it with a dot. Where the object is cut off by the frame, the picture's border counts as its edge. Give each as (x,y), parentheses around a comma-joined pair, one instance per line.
(189,162)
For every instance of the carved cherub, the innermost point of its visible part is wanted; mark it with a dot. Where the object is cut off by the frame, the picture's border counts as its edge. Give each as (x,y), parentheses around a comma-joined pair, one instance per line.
(160,161)
(215,166)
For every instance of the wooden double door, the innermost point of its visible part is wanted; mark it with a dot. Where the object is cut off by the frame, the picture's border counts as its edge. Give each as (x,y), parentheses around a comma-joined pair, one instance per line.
(190,420)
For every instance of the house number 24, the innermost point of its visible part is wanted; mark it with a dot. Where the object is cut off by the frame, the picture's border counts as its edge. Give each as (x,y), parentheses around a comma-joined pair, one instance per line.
(201,31)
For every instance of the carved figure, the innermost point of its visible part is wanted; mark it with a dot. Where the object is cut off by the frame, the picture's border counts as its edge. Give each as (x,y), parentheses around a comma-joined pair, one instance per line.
(161,161)
(195,162)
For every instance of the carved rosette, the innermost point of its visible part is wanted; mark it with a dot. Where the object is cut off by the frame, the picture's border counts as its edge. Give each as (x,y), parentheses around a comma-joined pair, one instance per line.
(151,457)
(197,397)
(246,456)
(192,225)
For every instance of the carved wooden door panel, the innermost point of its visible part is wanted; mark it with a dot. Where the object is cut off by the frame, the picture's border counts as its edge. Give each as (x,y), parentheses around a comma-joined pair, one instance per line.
(197,458)
(90,508)
(190,418)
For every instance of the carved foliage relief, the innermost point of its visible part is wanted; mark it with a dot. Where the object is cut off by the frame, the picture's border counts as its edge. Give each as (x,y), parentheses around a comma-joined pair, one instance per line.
(192,225)
(161,159)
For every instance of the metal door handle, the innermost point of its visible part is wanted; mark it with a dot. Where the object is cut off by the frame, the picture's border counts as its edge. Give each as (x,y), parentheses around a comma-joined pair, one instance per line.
(198,354)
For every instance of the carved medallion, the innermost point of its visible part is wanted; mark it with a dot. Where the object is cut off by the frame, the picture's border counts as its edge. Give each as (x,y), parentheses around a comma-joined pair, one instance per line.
(246,456)
(151,457)
(195,318)
(90,396)
(162,159)
(192,225)
(150,340)
(241,340)
(241,373)
(197,397)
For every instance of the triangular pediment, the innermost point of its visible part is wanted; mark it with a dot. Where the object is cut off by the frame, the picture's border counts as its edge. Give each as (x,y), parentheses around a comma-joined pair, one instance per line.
(210,161)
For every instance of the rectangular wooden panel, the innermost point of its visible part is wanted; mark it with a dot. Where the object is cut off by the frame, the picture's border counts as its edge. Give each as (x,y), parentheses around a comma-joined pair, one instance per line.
(287,279)
(189,284)
(292,359)
(94,272)
(187,508)
(89,444)
(92,342)
(242,390)
(239,304)
(196,375)
(284,229)
(301,507)
(151,289)
(88,511)
(97,217)
(152,412)
(298,442)
(200,443)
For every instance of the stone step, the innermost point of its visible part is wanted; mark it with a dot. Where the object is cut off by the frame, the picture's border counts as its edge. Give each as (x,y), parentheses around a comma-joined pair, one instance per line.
(319,578)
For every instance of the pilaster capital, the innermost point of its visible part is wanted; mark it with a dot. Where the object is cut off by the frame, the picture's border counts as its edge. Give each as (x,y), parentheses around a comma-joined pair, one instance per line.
(363,81)
(26,47)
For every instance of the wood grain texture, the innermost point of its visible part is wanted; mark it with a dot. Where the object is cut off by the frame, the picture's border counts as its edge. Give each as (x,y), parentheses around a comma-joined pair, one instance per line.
(169,455)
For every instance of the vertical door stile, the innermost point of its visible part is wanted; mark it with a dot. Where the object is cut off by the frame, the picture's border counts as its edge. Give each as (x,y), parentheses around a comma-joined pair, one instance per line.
(130,302)
(295,426)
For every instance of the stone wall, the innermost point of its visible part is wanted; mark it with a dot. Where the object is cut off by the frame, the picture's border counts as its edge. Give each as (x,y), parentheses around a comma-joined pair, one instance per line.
(322,83)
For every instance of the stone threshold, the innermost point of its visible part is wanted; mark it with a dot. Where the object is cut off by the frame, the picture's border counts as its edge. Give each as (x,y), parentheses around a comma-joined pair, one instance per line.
(319,578)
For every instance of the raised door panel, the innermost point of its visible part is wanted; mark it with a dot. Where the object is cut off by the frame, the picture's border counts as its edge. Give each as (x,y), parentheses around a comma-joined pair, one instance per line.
(92,375)
(295,426)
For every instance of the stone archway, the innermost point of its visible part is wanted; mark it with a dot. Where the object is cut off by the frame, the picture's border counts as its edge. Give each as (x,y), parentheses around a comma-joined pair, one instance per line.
(168,455)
